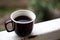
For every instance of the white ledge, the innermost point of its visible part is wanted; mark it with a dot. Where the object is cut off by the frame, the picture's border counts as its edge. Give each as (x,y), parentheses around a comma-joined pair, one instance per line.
(46,27)
(38,29)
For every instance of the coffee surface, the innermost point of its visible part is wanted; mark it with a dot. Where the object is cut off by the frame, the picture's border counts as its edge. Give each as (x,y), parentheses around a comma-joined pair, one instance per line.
(23,18)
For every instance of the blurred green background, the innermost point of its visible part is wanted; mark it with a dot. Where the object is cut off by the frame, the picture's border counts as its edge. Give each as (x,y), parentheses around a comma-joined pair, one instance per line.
(44,9)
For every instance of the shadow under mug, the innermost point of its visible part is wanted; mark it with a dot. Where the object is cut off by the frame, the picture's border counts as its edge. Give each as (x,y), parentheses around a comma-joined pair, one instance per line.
(21,28)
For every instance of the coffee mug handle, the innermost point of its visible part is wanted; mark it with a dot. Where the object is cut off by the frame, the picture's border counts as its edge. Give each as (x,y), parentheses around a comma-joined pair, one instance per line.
(7,22)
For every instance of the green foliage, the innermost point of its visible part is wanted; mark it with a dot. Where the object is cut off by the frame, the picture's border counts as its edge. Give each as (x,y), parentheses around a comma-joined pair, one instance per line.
(2,28)
(37,5)
(36,8)
(4,10)
(56,3)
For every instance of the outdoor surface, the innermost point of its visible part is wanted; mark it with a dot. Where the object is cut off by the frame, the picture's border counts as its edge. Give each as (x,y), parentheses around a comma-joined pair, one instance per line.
(44,9)
(49,30)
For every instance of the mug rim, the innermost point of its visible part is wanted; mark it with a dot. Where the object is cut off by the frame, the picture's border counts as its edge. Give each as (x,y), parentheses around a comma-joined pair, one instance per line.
(22,22)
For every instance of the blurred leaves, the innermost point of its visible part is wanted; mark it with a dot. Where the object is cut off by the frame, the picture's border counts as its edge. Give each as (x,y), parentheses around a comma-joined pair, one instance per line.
(38,5)
(4,10)
(2,28)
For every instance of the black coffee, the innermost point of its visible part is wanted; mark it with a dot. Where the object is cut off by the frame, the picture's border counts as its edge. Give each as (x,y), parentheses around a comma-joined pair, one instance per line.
(23,19)
(23,29)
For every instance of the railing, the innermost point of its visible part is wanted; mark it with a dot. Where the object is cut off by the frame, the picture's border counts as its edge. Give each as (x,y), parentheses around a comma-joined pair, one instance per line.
(49,30)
